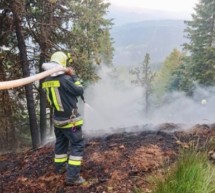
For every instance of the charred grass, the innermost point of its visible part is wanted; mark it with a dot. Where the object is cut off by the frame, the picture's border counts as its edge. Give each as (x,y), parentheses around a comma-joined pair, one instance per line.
(118,163)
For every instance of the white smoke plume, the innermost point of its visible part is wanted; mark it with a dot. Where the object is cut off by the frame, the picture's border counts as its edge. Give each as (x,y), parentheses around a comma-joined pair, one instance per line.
(113,104)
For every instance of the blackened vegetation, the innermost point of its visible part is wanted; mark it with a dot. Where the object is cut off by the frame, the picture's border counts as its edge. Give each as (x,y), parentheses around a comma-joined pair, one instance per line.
(115,163)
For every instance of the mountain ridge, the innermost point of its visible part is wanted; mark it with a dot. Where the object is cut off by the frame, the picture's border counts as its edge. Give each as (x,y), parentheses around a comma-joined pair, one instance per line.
(156,37)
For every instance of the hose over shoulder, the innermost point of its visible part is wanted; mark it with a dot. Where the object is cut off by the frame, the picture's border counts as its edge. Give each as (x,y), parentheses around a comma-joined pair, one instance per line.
(23,81)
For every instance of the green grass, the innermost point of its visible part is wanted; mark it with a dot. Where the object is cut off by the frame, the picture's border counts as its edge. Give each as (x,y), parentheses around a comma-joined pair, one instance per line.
(192,173)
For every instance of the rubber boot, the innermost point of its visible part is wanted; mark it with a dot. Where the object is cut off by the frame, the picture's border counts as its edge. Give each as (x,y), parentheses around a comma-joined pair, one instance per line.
(73,176)
(60,168)
(79,181)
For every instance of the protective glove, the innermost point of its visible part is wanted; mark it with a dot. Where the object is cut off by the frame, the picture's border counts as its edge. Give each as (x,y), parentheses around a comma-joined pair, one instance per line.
(69,71)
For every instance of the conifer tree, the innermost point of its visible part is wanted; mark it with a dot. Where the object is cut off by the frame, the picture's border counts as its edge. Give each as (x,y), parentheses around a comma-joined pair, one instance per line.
(201,33)
(77,27)
(144,77)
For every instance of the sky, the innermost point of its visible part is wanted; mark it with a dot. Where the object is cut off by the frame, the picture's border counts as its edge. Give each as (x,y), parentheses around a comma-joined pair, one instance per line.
(166,5)
(131,11)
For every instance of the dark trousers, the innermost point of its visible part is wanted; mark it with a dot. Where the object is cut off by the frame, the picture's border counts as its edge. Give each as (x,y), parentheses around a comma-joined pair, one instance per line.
(69,141)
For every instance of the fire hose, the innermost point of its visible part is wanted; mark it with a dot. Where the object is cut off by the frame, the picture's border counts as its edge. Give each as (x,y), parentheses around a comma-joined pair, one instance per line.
(23,81)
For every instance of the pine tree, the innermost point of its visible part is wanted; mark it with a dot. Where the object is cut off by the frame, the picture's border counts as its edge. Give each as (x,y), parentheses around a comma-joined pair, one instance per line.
(16,7)
(74,26)
(144,78)
(201,33)
(53,26)
(90,38)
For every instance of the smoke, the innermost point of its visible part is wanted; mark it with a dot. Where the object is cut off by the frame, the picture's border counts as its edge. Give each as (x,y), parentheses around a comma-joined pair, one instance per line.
(179,108)
(114,104)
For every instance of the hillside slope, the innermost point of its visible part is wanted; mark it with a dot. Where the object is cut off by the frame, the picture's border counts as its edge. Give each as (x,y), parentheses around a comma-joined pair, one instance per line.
(118,163)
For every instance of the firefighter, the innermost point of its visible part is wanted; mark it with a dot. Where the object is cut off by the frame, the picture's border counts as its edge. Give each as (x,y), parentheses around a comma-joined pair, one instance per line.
(62,90)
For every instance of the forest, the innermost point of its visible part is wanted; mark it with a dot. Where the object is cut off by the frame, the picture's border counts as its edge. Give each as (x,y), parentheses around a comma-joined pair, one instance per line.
(30,32)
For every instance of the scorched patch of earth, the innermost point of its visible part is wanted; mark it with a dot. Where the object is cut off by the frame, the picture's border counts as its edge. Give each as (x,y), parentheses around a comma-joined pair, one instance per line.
(117,163)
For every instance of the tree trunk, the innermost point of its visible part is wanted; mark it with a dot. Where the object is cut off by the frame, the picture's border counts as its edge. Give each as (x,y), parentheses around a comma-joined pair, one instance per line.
(146,101)
(44,43)
(42,102)
(16,8)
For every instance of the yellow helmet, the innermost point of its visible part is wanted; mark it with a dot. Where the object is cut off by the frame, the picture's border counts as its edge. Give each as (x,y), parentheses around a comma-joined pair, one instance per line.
(60,58)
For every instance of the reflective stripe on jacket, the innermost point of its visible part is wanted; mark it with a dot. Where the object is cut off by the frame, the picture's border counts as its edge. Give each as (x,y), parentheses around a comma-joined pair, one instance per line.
(62,92)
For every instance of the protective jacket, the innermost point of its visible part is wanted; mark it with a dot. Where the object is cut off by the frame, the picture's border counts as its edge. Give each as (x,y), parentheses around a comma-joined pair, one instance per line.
(62,92)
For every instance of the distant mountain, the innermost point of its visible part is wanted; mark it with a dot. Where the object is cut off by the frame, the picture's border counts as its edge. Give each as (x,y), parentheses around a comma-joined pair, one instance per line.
(156,37)
(122,15)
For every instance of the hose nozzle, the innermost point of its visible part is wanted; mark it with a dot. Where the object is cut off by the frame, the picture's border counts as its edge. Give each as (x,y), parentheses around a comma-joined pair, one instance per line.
(83,99)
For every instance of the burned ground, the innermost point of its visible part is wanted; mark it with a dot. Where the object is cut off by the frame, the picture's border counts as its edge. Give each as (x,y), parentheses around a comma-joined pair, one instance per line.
(117,163)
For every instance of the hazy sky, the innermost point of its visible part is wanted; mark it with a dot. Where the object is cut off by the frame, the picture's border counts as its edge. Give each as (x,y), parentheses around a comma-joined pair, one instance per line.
(168,5)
